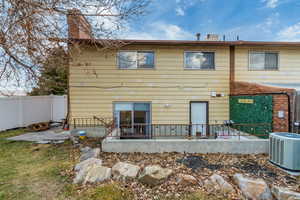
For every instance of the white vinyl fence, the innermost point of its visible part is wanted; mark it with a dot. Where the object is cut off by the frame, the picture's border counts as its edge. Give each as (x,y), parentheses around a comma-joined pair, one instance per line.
(22,111)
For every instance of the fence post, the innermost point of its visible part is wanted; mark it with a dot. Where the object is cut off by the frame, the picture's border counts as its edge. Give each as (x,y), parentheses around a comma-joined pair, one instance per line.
(51,98)
(20,115)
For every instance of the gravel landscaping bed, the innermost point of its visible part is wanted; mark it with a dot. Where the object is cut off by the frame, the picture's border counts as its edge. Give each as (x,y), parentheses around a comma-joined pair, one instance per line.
(201,166)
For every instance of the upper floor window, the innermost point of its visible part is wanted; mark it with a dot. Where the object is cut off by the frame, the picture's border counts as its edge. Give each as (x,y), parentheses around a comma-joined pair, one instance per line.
(263,60)
(199,60)
(136,59)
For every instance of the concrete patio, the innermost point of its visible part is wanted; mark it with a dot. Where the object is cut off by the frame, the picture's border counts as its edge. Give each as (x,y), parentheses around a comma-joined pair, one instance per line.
(43,137)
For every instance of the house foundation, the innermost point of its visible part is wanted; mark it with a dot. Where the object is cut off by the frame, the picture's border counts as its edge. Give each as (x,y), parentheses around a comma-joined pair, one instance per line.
(253,146)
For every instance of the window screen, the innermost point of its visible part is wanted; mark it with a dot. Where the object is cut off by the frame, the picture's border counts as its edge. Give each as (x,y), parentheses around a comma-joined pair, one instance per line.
(199,60)
(135,59)
(263,61)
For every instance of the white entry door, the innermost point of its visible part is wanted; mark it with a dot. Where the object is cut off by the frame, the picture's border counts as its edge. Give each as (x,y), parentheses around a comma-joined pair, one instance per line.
(198,118)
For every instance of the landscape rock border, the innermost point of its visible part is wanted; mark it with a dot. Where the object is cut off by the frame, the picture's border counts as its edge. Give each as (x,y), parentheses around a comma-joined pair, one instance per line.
(253,188)
(89,153)
(122,170)
(284,194)
(154,174)
(218,183)
(91,170)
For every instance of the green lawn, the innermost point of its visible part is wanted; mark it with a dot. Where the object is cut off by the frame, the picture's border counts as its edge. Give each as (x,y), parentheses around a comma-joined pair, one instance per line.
(33,172)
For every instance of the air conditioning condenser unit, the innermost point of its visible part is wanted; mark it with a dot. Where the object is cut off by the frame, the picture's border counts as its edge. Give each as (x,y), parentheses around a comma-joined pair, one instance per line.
(284,150)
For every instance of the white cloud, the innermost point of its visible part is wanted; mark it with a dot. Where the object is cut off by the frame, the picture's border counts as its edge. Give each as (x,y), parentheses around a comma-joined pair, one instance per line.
(291,33)
(268,24)
(210,21)
(173,32)
(159,30)
(179,11)
(271,3)
(137,35)
(182,5)
(264,30)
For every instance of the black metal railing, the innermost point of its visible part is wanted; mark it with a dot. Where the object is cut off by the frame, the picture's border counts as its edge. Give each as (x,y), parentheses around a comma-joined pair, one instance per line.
(154,131)
(148,131)
(211,131)
(85,122)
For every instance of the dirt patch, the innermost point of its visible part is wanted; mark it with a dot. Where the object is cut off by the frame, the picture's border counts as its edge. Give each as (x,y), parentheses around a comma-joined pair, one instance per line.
(197,162)
(252,167)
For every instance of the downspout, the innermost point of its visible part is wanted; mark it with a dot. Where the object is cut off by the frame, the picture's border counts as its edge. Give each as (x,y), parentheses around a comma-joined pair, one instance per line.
(68,122)
(231,67)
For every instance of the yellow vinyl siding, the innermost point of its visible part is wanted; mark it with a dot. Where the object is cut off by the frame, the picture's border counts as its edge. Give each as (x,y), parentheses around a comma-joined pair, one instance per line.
(96,82)
(288,69)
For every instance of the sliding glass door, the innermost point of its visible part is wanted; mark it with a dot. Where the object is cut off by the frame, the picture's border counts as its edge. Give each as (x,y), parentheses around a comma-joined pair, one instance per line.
(133,119)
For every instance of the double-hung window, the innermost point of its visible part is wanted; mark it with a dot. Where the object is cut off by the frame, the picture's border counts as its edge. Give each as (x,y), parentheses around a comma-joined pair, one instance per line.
(263,60)
(136,59)
(199,60)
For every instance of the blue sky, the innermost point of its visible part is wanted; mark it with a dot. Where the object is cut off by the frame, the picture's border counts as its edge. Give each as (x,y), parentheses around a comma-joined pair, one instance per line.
(256,20)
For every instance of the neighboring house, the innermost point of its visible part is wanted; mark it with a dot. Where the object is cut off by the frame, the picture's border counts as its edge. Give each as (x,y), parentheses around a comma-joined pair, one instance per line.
(270,68)
(181,82)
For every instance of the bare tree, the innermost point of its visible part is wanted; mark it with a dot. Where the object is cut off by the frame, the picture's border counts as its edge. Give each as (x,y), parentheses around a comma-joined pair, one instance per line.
(30,29)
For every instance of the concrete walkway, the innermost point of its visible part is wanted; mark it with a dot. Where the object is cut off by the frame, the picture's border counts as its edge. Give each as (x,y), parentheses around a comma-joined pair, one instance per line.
(43,137)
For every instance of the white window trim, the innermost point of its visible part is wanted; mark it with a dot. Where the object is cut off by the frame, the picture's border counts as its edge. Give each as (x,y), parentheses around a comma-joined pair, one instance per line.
(263,51)
(201,51)
(136,52)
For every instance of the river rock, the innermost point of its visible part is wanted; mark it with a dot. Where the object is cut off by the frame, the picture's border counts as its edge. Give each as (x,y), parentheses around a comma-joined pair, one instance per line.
(253,188)
(154,174)
(123,170)
(285,194)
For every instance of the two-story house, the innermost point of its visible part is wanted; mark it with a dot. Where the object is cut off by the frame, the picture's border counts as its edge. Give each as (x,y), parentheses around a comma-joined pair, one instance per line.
(182,82)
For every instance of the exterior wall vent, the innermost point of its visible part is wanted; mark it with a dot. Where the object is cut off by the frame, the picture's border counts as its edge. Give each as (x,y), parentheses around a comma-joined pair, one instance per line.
(284,150)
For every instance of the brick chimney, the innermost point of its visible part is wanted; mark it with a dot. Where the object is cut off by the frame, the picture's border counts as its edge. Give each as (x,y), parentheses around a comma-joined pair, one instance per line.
(79,27)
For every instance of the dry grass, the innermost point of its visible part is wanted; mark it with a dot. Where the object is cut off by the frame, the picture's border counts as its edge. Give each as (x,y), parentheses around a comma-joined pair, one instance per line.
(30,171)
(33,172)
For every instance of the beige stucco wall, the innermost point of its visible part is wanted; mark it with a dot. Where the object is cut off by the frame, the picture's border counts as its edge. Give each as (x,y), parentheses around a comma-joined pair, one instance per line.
(288,72)
(96,82)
